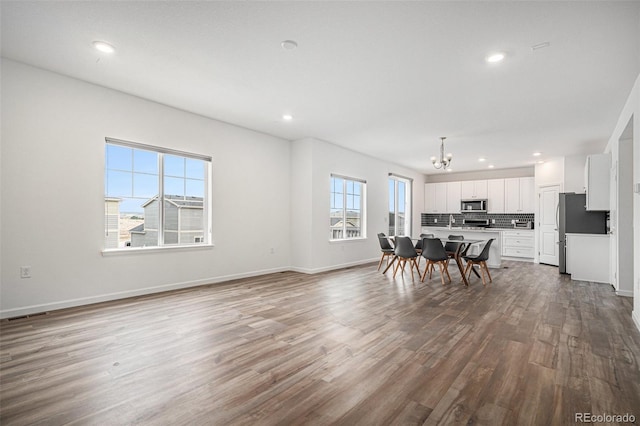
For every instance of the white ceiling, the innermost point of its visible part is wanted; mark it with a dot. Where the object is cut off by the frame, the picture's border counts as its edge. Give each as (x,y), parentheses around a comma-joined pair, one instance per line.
(384,78)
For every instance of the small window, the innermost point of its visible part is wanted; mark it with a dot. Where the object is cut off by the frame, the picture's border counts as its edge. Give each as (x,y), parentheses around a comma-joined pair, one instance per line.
(347,208)
(154,197)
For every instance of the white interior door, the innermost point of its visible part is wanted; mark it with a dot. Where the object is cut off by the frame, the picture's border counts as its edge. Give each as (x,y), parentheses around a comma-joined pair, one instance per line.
(548,226)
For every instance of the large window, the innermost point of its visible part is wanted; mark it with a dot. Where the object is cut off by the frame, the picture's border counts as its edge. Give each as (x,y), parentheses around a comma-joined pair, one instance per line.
(399,205)
(154,197)
(347,208)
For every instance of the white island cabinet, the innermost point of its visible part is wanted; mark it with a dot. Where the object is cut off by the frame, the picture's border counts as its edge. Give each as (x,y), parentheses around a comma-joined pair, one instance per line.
(495,257)
(588,257)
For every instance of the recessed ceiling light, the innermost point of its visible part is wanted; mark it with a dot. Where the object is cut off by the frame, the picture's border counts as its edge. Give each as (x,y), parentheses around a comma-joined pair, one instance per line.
(537,154)
(540,45)
(495,57)
(541,162)
(287,117)
(289,45)
(104,47)
(491,166)
(481,159)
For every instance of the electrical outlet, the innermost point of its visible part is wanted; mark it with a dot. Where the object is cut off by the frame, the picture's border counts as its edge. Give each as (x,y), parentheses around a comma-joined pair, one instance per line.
(272,251)
(25,272)
(453,220)
(435,220)
(513,221)
(493,221)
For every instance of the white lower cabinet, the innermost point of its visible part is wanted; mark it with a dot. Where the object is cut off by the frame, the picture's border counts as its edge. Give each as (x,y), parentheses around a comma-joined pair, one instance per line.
(494,260)
(587,257)
(518,243)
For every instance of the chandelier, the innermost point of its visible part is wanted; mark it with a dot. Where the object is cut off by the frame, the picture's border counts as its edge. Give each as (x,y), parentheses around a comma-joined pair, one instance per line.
(443,162)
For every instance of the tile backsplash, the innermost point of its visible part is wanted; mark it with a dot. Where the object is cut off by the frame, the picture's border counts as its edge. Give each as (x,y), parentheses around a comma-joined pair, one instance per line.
(501,220)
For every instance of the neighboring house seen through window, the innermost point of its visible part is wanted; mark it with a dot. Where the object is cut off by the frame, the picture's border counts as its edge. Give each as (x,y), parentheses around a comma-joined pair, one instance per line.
(347,208)
(154,197)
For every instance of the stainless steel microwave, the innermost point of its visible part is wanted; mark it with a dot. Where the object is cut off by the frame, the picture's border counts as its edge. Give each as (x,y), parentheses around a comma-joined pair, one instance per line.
(473,206)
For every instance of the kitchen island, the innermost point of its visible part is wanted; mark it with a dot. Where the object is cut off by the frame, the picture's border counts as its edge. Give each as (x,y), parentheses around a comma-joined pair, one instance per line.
(495,252)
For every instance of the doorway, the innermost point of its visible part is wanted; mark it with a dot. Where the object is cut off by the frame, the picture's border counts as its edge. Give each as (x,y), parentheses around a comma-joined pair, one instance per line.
(622,220)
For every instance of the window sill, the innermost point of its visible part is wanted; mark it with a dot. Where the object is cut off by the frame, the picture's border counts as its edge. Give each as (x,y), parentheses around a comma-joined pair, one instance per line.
(147,250)
(348,240)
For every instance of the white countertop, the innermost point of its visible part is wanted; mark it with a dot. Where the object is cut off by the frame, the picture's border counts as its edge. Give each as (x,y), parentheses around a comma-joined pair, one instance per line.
(460,229)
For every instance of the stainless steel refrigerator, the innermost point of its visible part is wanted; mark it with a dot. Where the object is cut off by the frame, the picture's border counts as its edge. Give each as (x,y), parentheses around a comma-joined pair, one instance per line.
(573,218)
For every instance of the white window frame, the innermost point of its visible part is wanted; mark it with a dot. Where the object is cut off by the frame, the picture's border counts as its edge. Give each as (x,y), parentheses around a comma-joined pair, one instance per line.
(207,202)
(363,203)
(408,204)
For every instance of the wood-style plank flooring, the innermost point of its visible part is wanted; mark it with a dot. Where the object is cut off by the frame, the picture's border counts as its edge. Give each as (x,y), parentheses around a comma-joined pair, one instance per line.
(343,347)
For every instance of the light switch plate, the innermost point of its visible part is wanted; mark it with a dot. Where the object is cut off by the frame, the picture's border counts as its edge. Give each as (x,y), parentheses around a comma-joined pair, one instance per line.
(636,188)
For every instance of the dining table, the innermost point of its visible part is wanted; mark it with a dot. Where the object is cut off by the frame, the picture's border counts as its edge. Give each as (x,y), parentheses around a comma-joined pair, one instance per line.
(457,255)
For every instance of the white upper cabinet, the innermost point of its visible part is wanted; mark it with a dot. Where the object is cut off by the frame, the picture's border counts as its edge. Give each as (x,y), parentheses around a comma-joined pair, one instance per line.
(528,194)
(453,197)
(495,196)
(519,195)
(473,189)
(435,197)
(596,181)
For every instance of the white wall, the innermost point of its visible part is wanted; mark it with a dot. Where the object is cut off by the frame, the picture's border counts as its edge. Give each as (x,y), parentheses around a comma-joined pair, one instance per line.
(301,204)
(325,158)
(53,131)
(550,172)
(631,113)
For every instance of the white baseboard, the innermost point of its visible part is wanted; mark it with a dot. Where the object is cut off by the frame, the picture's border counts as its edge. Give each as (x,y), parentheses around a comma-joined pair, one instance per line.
(636,318)
(45,307)
(333,267)
(520,259)
(625,293)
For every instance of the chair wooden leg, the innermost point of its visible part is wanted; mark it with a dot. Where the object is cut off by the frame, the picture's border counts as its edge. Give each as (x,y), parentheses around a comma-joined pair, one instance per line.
(412,263)
(426,269)
(487,268)
(466,269)
(381,259)
(446,269)
(415,263)
(390,264)
(440,265)
(395,270)
(484,283)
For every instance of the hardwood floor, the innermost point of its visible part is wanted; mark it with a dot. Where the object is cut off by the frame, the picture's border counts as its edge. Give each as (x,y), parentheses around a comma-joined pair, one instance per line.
(344,347)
